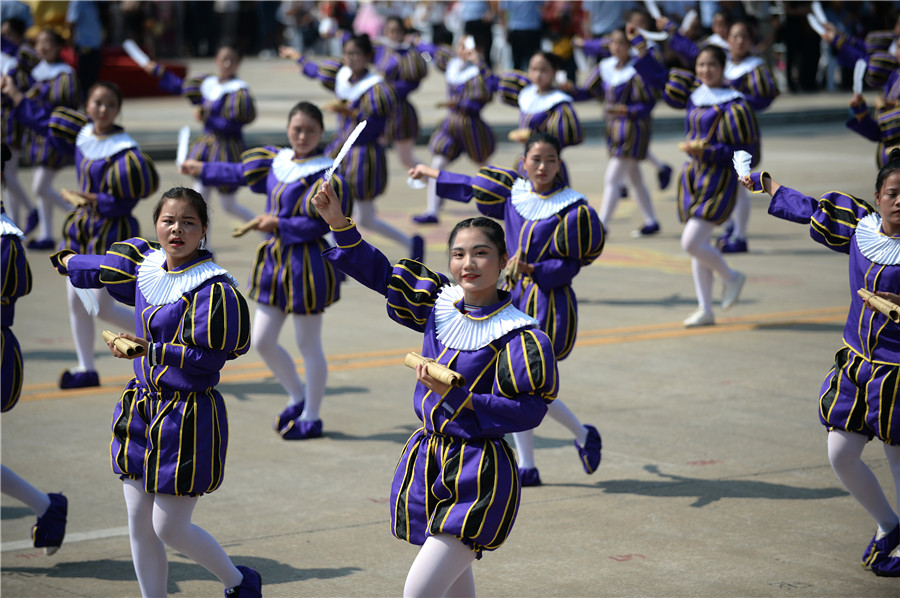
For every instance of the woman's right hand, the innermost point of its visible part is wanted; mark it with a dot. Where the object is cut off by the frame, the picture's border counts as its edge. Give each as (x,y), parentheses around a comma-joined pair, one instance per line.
(9,89)
(191,167)
(141,341)
(421,171)
(329,206)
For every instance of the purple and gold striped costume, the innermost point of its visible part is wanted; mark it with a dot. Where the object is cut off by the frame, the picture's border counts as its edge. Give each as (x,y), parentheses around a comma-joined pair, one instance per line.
(456,474)
(627,136)
(557,244)
(860,393)
(170,428)
(372,100)
(551,112)
(403,68)
(883,128)
(111,165)
(227,107)
(468,91)
(16,282)
(722,119)
(289,271)
(54,85)
(16,62)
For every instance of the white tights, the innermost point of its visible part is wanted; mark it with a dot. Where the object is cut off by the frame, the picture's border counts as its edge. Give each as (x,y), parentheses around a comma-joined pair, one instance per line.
(22,491)
(42,187)
(157,520)
(845,454)
(16,196)
(434,202)
(443,567)
(364,215)
(561,413)
(617,170)
(404,149)
(229,202)
(82,323)
(705,260)
(308,331)
(740,217)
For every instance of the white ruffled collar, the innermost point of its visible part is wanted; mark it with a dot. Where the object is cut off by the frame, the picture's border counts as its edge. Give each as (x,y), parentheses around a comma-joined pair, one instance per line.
(8,227)
(717,40)
(736,70)
(212,89)
(459,71)
(351,92)
(532,102)
(93,147)
(875,245)
(287,170)
(614,76)
(161,287)
(45,71)
(467,332)
(534,206)
(708,96)
(7,62)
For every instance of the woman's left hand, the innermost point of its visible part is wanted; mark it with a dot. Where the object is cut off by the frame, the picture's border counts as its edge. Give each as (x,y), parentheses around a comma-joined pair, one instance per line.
(433,385)
(267,223)
(141,341)
(86,196)
(892,297)
(526,268)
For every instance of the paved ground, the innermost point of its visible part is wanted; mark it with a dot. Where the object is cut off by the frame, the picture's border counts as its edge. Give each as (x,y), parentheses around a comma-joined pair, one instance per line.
(714,482)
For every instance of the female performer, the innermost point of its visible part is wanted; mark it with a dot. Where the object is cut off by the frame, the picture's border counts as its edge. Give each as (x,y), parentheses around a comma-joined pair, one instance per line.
(362,95)
(223,103)
(718,121)
(55,84)
(551,233)
(858,399)
(455,490)
(113,175)
(170,428)
(289,276)
(15,282)
(468,91)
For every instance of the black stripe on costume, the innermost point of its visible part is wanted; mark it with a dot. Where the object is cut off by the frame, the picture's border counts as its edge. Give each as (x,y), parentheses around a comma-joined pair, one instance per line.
(572,324)
(507,383)
(856,421)
(512,503)
(487,484)
(184,470)
(401,507)
(217,463)
(887,401)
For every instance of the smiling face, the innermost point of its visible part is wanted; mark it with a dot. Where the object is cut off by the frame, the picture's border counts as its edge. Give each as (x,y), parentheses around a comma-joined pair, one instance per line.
(709,69)
(476,263)
(179,230)
(887,200)
(304,134)
(102,108)
(46,47)
(541,72)
(542,165)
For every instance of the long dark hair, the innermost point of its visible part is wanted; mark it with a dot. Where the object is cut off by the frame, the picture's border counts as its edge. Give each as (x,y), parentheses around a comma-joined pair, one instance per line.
(491,229)
(890,167)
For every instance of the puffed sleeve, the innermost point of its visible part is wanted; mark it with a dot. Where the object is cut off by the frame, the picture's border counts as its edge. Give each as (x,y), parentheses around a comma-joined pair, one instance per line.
(832,219)
(491,187)
(526,380)
(16,273)
(563,123)
(413,67)
(579,235)
(219,319)
(304,225)
(116,269)
(737,130)
(410,288)
(879,68)
(130,177)
(678,88)
(758,86)
(64,126)
(510,86)
(64,91)
(377,102)
(325,71)
(191,89)
(441,57)
(237,110)
(478,92)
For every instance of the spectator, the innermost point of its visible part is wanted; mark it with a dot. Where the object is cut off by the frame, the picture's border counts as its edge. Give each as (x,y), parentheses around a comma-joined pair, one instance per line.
(83,19)
(523,25)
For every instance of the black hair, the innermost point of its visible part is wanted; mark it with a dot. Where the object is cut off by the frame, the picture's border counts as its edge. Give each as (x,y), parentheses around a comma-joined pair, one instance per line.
(491,229)
(189,195)
(543,137)
(233,48)
(399,21)
(890,167)
(55,36)
(717,52)
(750,27)
(310,110)
(18,26)
(554,60)
(363,44)
(112,87)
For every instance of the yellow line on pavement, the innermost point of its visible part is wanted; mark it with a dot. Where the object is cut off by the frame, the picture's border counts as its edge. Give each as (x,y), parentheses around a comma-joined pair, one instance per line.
(255,371)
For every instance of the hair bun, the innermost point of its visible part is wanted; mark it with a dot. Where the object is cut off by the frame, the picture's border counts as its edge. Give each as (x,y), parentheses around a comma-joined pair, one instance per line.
(894,156)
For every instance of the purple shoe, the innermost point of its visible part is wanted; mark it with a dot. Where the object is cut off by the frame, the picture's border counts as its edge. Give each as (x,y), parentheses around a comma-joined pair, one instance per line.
(646,230)
(302,430)
(418,248)
(50,529)
(251,585)
(880,546)
(664,176)
(529,477)
(32,221)
(725,237)
(291,412)
(79,379)
(737,246)
(426,219)
(590,452)
(42,244)
(888,566)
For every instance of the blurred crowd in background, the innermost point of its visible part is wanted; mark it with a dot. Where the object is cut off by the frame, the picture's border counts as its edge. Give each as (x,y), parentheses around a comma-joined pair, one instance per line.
(185,29)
